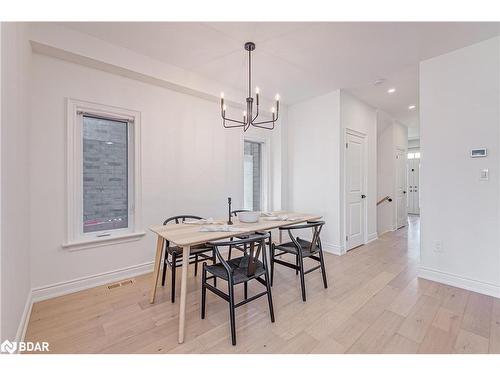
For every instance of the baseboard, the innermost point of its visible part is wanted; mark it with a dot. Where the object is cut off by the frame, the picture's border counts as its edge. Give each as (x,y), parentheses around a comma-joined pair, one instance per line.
(25,318)
(76,285)
(459,282)
(372,237)
(333,249)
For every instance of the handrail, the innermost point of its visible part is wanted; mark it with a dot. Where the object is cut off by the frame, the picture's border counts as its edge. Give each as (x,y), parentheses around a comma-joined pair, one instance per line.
(386,198)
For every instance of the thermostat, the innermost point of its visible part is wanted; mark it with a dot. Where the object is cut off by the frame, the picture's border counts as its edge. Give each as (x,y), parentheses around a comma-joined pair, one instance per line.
(478,153)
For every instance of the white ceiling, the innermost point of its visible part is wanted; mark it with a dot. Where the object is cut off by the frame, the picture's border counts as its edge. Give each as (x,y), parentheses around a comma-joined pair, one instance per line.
(302,60)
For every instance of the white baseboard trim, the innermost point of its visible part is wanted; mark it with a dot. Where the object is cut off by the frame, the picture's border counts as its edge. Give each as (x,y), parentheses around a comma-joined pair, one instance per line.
(333,249)
(76,285)
(459,282)
(25,318)
(372,237)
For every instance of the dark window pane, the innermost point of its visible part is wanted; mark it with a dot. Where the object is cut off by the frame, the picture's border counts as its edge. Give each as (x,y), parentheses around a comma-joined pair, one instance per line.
(105,174)
(252,175)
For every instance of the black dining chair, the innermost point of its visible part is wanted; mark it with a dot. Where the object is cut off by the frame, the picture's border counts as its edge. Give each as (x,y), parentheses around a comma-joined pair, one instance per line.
(173,254)
(301,249)
(250,266)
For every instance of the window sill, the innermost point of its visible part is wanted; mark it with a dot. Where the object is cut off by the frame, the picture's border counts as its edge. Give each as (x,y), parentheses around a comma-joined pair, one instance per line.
(98,242)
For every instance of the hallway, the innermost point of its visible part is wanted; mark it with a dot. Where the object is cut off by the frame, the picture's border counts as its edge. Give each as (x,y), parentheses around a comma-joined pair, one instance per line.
(374,304)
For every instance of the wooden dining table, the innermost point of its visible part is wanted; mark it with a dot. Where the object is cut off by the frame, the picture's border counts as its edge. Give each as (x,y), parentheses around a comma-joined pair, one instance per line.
(186,235)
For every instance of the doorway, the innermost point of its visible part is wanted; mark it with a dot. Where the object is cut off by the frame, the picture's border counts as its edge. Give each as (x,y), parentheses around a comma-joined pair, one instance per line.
(355,188)
(413,167)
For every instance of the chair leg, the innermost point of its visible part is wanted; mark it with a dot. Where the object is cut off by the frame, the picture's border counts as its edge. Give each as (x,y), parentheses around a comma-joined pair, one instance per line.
(232,313)
(203,291)
(229,255)
(272,264)
(302,280)
(196,264)
(269,298)
(297,264)
(174,267)
(245,289)
(214,260)
(323,272)
(164,275)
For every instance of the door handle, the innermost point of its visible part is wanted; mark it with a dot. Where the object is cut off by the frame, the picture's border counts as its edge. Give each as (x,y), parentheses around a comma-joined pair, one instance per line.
(363,196)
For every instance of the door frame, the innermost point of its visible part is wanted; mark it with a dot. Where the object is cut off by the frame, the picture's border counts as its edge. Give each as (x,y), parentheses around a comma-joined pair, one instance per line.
(343,221)
(396,168)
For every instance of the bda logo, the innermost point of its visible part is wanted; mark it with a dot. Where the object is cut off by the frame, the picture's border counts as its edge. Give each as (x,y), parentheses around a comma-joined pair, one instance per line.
(8,347)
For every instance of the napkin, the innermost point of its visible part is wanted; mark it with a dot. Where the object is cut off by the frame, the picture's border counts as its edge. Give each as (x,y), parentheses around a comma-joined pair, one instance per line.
(220,228)
(283,218)
(209,220)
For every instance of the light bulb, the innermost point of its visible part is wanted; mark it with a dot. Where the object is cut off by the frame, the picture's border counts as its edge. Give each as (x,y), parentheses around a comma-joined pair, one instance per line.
(244,113)
(222,95)
(392,90)
(277,96)
(273,109)
(224,107)
(257,91)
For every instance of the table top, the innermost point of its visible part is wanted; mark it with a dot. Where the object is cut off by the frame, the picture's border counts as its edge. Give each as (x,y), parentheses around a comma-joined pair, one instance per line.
(189,234)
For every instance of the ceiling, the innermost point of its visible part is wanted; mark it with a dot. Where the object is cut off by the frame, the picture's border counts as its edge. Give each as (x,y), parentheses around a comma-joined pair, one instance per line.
(302,60)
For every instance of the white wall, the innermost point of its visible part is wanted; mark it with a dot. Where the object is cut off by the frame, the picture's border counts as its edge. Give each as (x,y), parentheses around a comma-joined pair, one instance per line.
(359,116)
(316,135)
(15,212)
(313,162)
(386,173)
(390,138)
(190,164)
(459,110)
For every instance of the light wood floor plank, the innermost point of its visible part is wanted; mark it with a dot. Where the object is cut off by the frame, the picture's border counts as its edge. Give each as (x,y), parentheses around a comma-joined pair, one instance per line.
(374,304)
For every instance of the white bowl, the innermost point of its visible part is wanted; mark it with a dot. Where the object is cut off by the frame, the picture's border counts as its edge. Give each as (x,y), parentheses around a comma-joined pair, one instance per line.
(249,217)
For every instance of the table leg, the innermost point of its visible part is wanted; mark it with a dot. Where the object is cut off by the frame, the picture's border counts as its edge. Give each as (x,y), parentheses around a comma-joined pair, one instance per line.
(182,308)
(156,273)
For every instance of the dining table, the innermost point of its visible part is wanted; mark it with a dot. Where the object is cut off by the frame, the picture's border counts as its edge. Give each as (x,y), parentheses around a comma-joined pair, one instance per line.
(186,235)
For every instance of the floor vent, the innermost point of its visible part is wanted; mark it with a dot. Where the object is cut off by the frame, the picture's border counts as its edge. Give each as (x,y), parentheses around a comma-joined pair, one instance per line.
(122,283)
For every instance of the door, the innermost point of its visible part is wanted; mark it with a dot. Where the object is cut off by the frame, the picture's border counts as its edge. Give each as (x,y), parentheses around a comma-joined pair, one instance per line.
(413,186)
(401,214)
(355,191)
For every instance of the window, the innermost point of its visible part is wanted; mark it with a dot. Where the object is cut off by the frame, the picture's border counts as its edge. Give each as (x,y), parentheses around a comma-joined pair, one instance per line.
(252,171)
(103,175)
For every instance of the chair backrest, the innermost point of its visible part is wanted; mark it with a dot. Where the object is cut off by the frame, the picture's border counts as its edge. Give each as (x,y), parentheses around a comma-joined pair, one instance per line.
(181,219)
(255,243)
(316,227)
(236,212)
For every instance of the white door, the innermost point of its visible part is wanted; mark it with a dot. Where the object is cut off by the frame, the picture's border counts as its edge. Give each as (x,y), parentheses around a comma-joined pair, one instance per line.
(413,186)
(355,191)
(401,214)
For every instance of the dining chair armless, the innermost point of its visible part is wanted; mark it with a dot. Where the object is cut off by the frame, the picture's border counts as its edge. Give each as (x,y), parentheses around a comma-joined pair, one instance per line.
(250,266)
(301,249)
(173,254)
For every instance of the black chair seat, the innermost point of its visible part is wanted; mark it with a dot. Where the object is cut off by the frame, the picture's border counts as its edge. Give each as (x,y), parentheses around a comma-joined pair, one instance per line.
(289,247)
(197,249)
(239,267)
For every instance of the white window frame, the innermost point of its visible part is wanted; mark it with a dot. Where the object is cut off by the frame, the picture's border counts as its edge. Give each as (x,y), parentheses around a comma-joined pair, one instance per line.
(76,239)
(265,178)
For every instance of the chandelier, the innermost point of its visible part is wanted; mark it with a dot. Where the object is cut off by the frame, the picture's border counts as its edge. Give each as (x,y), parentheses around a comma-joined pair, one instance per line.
(248,116)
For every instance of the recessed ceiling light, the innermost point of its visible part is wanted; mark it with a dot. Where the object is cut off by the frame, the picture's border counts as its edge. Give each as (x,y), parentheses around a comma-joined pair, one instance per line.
(412,107)
(392,90)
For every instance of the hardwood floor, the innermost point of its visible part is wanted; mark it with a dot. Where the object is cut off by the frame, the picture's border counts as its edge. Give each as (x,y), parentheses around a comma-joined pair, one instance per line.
(374,304)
